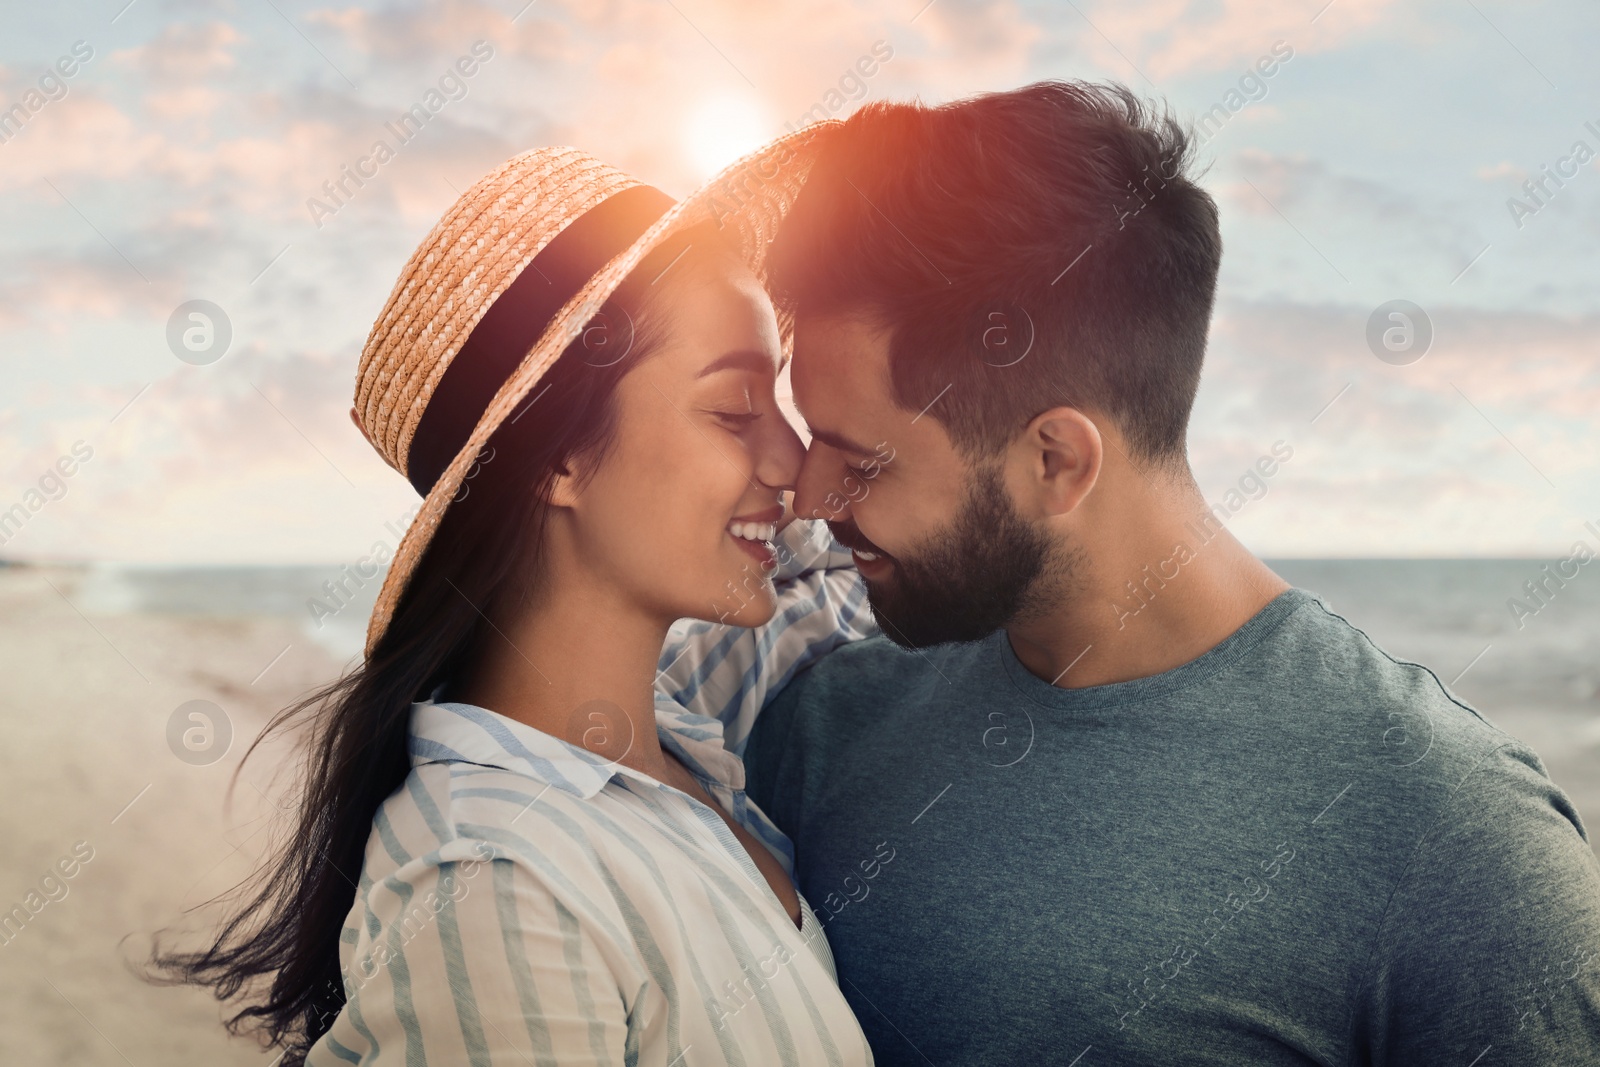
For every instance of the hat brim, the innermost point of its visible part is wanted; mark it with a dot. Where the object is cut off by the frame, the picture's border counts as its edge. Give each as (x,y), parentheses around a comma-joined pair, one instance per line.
(750,197)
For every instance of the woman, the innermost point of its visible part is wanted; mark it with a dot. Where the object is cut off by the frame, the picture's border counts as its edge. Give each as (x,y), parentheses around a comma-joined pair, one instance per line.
(524,836)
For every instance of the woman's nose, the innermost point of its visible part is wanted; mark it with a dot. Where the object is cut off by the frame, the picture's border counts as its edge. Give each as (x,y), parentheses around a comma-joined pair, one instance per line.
(781,456)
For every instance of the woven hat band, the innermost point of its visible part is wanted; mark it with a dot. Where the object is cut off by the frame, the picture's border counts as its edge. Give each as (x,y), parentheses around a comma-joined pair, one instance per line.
(518,318)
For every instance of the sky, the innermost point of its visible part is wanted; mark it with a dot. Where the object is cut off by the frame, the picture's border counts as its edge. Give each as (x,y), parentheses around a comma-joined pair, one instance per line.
(1383,159)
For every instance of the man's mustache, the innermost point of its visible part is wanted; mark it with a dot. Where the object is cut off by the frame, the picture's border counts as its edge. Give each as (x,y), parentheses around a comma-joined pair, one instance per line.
(849,535)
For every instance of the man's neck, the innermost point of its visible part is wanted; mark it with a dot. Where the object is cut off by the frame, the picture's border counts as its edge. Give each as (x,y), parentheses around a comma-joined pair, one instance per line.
(1163,583)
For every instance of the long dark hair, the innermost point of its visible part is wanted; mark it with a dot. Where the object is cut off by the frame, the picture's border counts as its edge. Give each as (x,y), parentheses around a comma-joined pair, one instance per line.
(285,936)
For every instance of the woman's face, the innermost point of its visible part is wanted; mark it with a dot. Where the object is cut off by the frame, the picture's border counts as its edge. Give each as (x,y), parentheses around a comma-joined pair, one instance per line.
(676,517)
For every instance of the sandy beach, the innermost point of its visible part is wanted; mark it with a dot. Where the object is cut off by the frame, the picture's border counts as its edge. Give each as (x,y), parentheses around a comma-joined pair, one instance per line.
(86,707)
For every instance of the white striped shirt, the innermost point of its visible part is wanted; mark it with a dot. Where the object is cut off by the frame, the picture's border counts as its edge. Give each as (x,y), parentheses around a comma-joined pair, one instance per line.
(526,901)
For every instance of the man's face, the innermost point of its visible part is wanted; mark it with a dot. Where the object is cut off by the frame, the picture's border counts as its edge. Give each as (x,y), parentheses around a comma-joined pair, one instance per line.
(944,552)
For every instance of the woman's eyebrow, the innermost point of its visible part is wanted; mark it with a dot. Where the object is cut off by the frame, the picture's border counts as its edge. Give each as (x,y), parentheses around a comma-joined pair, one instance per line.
(747,359)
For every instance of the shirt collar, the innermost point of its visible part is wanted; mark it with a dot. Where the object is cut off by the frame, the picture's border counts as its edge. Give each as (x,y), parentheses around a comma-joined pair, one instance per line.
(465,733)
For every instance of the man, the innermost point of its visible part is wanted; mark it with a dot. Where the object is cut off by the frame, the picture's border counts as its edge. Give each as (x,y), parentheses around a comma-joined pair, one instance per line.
(1109,790)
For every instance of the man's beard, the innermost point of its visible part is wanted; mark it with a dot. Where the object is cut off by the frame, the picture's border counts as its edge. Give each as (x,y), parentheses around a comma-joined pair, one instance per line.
(988,568)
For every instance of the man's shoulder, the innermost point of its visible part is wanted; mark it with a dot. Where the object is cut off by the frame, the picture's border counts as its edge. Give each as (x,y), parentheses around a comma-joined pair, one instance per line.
(1425,736)
(1340,665)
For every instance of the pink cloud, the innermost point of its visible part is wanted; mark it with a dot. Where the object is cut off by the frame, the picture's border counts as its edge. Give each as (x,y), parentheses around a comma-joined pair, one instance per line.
(421,32)
(1171,38)
(186,102)
(1503,169)
(184,51)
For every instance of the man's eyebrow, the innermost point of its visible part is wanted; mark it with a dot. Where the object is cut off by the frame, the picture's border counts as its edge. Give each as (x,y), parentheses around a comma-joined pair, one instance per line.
(747,359)
(840,441)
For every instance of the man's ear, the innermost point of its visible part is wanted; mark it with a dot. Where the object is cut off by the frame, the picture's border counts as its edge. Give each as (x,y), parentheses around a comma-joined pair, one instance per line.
(1064,450)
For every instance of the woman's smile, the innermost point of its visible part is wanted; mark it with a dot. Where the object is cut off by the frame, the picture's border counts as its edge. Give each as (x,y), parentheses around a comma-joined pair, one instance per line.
(754,533)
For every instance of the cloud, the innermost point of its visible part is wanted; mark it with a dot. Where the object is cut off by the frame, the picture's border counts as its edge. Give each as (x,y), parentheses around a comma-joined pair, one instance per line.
(991,38)
(1355,208)
(264,438)
(1533,366)
(415,35)
(55,293)
(1503,169)
(1292,180)
(184,51)
(1447,455)
(1405,461)
(1171,38)
(193,153)
(669,61)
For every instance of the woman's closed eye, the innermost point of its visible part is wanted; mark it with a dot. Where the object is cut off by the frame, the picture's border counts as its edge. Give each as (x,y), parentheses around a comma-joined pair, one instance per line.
(736,415)
(736,420)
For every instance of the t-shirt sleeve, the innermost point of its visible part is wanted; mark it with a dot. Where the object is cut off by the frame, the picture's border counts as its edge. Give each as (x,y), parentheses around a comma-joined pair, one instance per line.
(1489,950)
(728,672)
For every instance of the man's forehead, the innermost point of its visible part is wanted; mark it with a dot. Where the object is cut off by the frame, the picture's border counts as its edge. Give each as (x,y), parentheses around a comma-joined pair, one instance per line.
(842,389)
(840,379)
(840,354)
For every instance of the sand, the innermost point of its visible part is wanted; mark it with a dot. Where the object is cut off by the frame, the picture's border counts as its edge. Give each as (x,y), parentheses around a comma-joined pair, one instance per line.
(86,705)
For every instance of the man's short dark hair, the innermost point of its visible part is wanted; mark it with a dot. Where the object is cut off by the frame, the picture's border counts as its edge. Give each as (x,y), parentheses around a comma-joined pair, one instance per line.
(1025,249)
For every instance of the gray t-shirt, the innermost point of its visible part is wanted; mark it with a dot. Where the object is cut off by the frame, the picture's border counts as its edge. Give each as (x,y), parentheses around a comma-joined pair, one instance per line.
(1294,849)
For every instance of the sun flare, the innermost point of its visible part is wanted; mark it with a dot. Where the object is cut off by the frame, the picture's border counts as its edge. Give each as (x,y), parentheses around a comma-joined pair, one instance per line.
(724,128)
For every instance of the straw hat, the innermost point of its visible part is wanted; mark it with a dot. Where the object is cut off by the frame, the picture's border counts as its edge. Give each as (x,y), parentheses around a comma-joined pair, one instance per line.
(448,360)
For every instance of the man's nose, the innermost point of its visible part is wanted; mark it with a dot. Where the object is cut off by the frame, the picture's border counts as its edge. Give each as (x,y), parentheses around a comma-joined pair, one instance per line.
(817,492)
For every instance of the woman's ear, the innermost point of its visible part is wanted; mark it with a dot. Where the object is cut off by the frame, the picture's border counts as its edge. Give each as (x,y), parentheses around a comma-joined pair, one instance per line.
(355,419)
(564,487)
(1065,453)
